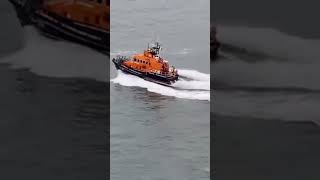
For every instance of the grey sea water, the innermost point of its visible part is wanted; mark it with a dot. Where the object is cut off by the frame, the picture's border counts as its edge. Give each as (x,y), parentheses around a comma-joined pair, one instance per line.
(266,90)
(270,67)
(54,106)
(159,132)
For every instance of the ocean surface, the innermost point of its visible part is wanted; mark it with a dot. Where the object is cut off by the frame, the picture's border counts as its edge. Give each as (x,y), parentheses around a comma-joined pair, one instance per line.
(266,90)
(159,132)
(267,69)
(54,106)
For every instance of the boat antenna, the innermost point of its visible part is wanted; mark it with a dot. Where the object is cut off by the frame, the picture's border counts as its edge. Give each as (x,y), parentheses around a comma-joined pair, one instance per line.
(158,47)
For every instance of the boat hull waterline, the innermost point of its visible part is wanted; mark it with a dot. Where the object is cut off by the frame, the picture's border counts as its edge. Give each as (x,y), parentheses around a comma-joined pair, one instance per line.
(72,21)
(148,65)
(159,79)
(67,29)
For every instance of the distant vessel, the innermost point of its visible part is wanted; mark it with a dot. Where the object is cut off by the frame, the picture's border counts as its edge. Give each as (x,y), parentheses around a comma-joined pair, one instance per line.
(149,66)
(214,43)
(83,21)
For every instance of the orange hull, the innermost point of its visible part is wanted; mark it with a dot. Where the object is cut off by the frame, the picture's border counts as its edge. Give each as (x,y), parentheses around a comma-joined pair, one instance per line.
(86,12)
(82,21)
(148,65)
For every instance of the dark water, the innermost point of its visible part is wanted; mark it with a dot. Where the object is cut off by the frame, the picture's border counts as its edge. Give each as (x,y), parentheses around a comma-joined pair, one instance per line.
(159,132)
(292,17)
(268,67)
(266,90)
(54,113)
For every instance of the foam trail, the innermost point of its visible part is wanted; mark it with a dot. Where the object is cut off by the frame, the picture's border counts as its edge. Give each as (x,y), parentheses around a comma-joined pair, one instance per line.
(47,57)
(133,81)
(266,40)
(299,70)
(268,74)
(194,75)
(291,64)
(200,81)
(200,85)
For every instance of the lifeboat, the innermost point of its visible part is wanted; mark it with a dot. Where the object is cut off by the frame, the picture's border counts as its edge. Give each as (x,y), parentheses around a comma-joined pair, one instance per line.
(149,66)
(84,21)
(214,43)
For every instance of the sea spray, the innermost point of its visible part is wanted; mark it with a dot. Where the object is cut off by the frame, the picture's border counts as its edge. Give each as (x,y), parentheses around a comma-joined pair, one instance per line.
(291,64)
(284,85)
(196,85)
(48,57)
(133,81)
(194,75)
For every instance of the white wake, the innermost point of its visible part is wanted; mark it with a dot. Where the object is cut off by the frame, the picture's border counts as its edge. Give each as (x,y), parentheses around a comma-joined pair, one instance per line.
(197,88)
(47,57)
